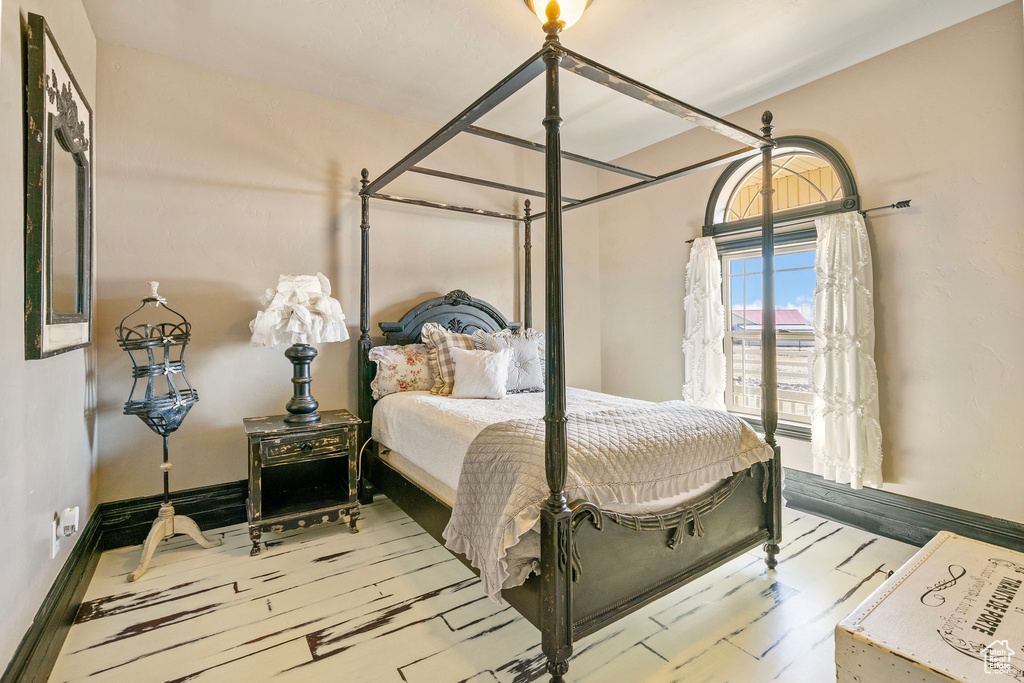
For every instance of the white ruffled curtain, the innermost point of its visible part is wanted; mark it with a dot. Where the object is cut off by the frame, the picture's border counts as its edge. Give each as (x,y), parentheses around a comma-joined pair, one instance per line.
(704,334)
(846,439)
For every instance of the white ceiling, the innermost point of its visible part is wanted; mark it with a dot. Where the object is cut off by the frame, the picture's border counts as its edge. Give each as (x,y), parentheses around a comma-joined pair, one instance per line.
(428,59)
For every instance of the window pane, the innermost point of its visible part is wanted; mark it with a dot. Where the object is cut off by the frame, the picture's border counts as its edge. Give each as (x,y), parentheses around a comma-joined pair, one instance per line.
(795,397)
(746,311)
(794,297)
(794,367)
(745,396)
(801,259)
(736,291)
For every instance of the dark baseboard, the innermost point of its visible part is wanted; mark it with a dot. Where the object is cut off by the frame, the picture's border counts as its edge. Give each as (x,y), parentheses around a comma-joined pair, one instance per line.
(126,522)
(37,653)
(112,525)
(887,514)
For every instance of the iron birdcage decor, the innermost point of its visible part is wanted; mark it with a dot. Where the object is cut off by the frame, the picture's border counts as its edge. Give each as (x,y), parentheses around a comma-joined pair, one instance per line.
(157,351)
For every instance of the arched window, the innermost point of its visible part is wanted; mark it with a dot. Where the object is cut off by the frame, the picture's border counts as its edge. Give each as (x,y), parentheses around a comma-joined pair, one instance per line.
(810,179)
(800,179)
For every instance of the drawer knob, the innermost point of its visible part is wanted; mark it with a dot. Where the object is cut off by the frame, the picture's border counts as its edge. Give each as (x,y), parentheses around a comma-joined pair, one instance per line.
(306,447)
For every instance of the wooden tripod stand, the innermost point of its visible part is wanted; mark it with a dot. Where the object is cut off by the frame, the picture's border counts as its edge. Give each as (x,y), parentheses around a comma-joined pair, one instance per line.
(168,524)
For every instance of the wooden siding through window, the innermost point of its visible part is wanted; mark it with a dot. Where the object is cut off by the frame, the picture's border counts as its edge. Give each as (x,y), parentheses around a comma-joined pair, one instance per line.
(790,192)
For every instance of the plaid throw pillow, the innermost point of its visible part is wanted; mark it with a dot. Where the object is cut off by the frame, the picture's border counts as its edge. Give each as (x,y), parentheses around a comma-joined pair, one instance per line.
(440,343)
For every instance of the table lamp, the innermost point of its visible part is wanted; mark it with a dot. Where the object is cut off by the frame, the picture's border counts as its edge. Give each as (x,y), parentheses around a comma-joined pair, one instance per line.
(300,312)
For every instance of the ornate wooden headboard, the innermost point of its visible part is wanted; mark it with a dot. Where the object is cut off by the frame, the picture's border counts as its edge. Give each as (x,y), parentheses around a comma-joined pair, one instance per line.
(456,310)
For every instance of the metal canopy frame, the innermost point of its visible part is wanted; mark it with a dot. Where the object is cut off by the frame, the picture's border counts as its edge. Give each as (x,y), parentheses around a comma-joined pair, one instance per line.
(515,81)
(536,146)
(557,520)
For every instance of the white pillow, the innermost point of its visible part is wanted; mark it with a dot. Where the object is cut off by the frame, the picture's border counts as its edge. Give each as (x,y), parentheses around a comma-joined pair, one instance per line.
(480,374)
(526,366)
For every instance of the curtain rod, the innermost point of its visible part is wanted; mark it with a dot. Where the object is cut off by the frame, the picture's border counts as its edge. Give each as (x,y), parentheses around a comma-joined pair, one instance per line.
(902,204)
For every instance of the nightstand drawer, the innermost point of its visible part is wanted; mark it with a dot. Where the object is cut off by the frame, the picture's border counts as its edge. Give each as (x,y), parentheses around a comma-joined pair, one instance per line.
(299,447)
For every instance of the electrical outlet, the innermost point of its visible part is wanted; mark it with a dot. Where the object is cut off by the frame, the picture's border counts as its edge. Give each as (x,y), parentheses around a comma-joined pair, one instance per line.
(69,521)
(55,535)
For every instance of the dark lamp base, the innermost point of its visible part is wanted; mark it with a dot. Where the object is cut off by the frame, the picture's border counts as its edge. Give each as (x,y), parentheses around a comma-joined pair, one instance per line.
(308,418)
(302,406)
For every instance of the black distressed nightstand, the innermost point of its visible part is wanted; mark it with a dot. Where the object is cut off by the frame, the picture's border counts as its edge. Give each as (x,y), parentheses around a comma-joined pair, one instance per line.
(301,476)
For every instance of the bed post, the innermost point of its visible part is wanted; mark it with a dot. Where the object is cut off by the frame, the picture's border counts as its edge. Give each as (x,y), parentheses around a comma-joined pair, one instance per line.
(769,357)
(365,405)
(527,269)
(555,517)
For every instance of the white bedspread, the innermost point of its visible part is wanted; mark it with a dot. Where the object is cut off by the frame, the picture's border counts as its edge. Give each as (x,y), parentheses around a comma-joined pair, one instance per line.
(434,433)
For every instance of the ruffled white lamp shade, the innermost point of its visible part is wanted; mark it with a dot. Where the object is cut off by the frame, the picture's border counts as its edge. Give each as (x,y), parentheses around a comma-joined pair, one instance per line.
(300,311)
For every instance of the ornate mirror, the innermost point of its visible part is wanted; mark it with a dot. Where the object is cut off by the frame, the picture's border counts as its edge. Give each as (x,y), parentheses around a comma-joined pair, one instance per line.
(58,201)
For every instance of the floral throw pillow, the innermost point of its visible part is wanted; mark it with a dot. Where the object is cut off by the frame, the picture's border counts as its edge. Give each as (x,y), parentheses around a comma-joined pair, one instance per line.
(400,368)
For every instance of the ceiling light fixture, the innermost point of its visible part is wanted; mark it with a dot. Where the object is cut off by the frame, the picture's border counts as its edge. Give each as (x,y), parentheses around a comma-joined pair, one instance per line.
(565,12)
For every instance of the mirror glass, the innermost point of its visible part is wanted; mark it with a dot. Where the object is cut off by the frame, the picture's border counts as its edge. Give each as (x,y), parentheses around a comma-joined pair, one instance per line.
(65,264)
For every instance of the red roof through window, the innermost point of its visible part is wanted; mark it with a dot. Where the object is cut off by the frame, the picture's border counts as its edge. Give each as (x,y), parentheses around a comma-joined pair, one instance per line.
(785,316)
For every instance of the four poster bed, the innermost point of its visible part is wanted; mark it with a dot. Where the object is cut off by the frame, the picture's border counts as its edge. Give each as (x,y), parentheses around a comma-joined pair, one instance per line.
(596,564)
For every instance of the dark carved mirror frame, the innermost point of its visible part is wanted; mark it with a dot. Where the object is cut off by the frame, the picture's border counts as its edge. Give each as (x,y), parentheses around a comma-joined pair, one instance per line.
(58,120)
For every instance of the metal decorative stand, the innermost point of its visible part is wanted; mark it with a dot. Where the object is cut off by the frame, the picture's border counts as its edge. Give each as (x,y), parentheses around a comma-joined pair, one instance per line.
(158,351)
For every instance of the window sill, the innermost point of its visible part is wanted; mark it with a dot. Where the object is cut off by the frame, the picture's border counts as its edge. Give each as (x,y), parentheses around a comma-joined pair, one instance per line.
(791,430)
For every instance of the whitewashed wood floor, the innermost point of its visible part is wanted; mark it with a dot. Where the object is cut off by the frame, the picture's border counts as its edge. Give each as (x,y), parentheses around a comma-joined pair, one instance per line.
(390,604)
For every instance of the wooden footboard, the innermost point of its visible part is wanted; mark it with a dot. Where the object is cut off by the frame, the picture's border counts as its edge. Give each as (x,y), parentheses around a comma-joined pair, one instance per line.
(621,563)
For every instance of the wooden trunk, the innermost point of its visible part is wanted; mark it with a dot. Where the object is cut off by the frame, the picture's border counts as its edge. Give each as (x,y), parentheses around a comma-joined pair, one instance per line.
(954,612)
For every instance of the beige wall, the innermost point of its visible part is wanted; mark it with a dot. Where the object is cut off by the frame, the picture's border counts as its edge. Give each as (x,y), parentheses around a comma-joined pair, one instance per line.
(214,184)
(47,419)
(939,121)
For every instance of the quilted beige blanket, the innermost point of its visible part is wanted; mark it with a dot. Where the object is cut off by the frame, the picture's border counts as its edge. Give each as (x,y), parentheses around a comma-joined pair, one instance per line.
(629,455)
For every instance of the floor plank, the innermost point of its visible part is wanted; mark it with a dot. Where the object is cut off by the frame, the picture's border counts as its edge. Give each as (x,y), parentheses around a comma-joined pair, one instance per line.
(389,604)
